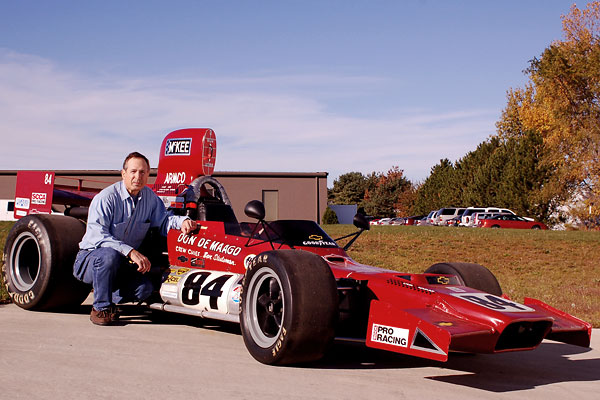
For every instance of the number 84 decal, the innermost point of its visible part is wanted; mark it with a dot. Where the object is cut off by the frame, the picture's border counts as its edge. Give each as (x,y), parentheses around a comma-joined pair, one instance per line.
(198,290)
(494,302)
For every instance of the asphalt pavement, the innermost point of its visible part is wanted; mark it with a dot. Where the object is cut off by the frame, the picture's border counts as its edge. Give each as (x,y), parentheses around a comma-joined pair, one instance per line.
(154,356)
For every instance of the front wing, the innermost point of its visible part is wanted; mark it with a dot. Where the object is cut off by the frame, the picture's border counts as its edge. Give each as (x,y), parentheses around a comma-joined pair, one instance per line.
(433,331)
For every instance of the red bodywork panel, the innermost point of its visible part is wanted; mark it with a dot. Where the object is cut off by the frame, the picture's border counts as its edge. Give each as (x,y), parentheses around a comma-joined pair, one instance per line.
(178,163)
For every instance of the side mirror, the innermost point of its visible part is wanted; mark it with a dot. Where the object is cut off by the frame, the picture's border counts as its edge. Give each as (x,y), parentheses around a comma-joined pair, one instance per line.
(361,222)
(255,209)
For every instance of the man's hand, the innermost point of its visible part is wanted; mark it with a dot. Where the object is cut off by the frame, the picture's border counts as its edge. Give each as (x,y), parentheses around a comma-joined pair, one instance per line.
(188,226)
(141,260)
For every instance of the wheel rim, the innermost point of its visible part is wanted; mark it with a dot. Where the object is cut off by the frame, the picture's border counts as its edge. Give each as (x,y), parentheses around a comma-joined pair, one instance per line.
(265,307)
(25,261)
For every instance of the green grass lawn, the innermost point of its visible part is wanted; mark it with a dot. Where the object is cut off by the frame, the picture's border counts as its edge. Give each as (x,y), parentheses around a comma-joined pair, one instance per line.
(561,268)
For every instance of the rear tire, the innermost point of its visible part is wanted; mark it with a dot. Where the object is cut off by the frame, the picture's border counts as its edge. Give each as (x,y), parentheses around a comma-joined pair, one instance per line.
(38,262)
(472,275)
(289,307)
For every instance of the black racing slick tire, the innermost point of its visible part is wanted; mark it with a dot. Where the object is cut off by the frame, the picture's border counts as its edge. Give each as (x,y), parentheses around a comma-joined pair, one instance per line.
(289,307)
(38,262)
(472,275)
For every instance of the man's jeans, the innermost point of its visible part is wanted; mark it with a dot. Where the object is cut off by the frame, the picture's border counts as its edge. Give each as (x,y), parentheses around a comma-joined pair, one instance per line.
(114,279)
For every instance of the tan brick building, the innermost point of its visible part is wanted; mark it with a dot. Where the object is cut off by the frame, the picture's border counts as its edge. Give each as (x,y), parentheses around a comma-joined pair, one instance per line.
(287,195)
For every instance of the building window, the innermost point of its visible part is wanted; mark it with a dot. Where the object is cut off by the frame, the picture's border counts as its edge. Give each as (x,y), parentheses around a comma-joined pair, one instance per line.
(270,199)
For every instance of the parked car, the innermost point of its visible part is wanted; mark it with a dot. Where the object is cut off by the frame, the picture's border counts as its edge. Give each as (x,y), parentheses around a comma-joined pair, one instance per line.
(484,215)
(447,213)
(422,221)
(467,216)
(430,218)
(453,221)
(510,221)
(413,220)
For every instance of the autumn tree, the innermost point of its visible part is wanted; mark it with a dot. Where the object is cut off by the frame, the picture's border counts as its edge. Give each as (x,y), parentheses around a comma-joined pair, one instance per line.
(561,102)
(388,194)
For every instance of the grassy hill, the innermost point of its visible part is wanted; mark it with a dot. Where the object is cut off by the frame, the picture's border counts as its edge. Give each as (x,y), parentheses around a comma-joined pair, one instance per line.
(560,268)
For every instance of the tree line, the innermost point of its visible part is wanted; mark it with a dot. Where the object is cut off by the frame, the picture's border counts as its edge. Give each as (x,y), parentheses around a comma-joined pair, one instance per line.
(543,161)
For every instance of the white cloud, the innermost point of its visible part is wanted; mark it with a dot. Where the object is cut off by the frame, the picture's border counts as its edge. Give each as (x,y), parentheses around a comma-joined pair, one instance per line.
(54,118)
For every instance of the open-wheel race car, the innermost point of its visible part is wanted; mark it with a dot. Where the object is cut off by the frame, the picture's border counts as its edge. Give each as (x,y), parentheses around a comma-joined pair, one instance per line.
(290,286)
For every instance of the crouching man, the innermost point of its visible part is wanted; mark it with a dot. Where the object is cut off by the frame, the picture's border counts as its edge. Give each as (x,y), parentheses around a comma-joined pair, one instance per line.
(118,220)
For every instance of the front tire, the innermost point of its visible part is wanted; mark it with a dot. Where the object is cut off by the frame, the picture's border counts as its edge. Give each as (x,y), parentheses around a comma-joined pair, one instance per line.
(289,307)
(472,275)
(38,262)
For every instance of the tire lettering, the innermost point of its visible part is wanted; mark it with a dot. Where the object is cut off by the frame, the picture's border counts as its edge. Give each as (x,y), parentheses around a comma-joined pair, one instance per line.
(279,342)
(22,298)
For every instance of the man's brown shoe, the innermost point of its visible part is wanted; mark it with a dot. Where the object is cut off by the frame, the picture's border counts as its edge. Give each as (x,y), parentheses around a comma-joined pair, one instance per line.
(102,317)
(114,312)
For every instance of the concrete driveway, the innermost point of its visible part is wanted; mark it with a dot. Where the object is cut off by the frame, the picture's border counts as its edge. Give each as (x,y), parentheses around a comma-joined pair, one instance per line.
(60,355)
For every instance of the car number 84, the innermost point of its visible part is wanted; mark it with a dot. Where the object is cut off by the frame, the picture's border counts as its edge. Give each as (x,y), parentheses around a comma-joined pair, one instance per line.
(494,302)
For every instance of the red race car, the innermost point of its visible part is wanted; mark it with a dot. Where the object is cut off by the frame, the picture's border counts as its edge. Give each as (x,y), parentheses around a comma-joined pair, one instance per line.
(510,221)
(292,288)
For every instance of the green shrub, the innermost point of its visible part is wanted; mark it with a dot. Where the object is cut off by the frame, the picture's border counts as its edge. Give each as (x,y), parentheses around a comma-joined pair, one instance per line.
(330,217)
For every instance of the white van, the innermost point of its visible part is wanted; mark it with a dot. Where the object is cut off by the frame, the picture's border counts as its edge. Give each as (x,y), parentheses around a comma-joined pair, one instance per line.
(446,213)
(7,210)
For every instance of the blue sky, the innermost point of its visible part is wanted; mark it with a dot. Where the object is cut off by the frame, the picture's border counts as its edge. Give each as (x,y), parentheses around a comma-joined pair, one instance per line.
(334,86)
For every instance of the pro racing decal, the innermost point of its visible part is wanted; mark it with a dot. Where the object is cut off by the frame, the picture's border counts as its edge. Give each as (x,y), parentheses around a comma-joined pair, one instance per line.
(390,335)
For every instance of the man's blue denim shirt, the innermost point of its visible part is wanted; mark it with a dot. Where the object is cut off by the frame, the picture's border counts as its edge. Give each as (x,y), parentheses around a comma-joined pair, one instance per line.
(115,221)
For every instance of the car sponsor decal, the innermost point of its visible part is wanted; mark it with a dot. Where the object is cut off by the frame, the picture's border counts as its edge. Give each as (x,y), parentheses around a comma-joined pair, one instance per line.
(390,335)
(493,302)
(443,280)
(21,202)
(174,177)
(236,293)
(173,279)
(208,244)
(178,147)
(38,198)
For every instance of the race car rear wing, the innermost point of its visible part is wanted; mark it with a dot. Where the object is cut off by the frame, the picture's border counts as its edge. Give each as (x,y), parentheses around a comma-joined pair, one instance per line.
(37,191)
(185,155)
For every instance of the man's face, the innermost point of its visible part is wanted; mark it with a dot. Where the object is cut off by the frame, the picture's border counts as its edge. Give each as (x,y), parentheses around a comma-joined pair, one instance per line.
(135,175)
